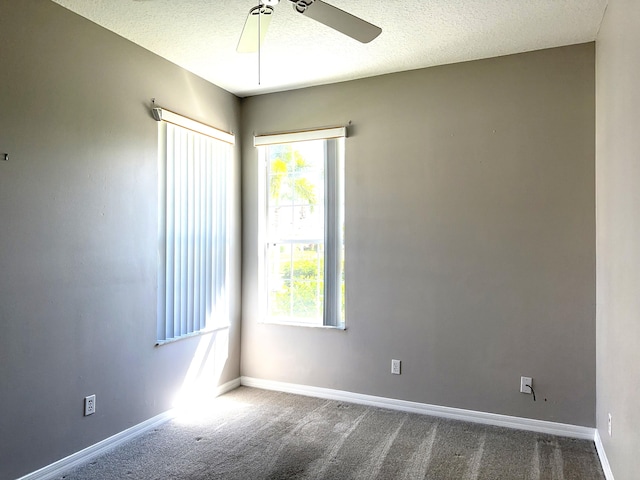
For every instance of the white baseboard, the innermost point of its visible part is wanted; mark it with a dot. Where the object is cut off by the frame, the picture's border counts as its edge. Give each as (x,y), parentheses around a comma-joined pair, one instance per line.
(604,461)
(227,387)
(58,468)
(542,426)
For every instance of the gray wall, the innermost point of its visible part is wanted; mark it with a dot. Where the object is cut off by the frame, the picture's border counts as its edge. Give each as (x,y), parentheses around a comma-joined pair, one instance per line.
(470,246)
(618,235)
(78,233)
(470,236)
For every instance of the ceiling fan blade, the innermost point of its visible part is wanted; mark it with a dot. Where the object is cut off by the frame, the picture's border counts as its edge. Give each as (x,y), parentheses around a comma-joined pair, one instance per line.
(340,20)
(257,23)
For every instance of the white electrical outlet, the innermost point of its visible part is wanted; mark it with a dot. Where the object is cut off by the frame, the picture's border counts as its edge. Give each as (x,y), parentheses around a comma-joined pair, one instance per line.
(609,425)
(524,381)
(89,405)
(395,367)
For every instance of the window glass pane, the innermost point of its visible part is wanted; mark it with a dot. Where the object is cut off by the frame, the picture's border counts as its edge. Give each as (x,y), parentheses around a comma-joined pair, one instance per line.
(279,301)
(307,281)
(302,190)
(301,223)
(295,231)
(279,280)
(296,282)
(296,191)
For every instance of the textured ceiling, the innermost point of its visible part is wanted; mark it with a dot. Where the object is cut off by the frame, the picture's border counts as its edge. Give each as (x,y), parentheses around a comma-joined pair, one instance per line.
(201,36)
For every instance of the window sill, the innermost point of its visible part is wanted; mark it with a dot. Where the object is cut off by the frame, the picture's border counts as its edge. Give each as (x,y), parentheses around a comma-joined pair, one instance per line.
(207,331)
(303,325)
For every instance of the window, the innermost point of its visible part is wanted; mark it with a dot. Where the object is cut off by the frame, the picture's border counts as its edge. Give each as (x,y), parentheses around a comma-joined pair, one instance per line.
(302,227)
(193,272)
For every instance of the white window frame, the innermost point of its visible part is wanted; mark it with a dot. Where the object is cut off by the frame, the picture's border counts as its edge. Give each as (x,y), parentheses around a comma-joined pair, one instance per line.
(194,219)
(333,221)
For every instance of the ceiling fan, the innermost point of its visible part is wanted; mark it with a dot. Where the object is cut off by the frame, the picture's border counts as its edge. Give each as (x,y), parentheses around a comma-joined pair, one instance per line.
(260,16)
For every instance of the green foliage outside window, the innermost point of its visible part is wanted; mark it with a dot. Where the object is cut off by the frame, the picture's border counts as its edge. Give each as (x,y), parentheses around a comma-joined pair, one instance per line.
(299,293)
(287,170)
(302,289)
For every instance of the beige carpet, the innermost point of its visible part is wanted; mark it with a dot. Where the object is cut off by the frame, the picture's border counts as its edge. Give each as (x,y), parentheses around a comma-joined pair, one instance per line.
(252,434)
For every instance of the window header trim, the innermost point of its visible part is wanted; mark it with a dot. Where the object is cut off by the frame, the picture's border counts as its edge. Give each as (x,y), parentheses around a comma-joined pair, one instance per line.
(300,136)
(163,115)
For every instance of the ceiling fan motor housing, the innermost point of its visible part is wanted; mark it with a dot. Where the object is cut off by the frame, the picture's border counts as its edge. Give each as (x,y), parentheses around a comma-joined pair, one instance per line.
(302,5)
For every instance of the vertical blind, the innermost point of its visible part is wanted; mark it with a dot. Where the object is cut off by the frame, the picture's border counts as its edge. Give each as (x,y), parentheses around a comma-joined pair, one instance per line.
(193,289)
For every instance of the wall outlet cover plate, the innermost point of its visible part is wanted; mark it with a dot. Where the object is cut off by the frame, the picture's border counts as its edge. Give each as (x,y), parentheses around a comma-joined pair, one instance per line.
(89,405)
(524,381)
(395,367)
